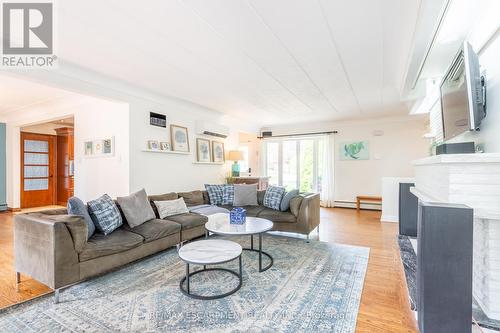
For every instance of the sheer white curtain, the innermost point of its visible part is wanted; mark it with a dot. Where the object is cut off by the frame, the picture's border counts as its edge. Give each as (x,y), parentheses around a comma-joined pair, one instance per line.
(327,194)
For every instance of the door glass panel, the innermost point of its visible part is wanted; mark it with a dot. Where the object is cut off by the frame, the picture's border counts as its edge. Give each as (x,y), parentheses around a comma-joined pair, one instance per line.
(272,159)
(36,146)
(36,171)
(306,165)
(290,165)
(36,184)
(36,159)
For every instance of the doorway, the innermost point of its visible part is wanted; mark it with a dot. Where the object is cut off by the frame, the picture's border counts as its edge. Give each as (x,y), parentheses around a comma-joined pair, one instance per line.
(47,168)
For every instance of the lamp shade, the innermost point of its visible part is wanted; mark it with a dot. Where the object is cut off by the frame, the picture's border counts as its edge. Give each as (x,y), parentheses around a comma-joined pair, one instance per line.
(235,155)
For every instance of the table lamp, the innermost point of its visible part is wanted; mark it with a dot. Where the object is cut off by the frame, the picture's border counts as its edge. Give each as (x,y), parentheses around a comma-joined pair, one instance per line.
(235,155)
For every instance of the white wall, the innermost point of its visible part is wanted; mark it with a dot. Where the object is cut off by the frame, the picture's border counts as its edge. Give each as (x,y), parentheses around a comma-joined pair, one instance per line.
(390,154)
(160,173)
(94,176)
(94,118)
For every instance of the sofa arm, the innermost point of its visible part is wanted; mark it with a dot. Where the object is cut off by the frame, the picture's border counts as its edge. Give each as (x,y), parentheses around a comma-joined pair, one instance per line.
(309,212)
(45,250)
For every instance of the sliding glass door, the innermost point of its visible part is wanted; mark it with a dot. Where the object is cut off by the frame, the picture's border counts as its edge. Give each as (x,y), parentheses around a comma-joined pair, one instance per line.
(294,163)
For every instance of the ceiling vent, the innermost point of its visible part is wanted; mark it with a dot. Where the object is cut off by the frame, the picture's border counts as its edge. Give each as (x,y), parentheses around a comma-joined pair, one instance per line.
(211,129)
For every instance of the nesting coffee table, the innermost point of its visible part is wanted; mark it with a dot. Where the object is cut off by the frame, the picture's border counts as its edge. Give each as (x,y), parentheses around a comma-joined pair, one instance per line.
(209,252)
(219,224)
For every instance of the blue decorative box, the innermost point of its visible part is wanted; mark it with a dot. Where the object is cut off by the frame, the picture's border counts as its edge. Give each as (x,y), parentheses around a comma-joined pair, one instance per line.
(237,215)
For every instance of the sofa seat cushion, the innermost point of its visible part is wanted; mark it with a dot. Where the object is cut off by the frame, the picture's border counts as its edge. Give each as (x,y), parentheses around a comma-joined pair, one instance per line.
(188,220)
(277,216)
(100,245)
(155,229)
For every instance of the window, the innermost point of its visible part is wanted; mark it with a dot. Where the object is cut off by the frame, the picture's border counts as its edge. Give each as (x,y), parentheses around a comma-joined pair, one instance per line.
(295,163)
(244,164)
(272,162)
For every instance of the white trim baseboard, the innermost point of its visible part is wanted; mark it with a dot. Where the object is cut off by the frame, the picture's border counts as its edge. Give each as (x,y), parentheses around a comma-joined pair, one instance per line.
(389,218)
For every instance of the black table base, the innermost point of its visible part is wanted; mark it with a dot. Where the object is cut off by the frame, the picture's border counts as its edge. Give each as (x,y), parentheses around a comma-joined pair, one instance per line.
(186,291)
(260,252)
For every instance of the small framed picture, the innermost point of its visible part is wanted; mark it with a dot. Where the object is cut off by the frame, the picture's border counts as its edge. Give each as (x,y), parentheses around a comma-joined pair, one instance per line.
(203,150)
(218,152)
(89,148)
(165,145)
(153,145)
(107,146)
(179,138)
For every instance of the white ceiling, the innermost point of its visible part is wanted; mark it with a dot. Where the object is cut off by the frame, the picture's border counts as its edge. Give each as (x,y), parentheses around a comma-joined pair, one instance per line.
(274,61)
(16,94)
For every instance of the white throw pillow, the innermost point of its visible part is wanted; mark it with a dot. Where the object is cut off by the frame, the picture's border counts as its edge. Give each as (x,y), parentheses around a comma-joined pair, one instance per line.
(171,207)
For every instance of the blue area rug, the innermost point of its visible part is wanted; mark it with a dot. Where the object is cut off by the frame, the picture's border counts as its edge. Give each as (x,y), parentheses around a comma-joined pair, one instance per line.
(312,286)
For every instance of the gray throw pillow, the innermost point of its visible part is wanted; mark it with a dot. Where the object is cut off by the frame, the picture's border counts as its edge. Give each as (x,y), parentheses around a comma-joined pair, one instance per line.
(285,202)
(105,214)
(136,208)
(78,207)
(245,195)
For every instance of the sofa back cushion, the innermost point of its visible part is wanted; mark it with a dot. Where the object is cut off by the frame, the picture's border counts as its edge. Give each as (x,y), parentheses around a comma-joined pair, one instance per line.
(77,207)
(105,214)
(245,195)
(206,199)
(171,207)
(260,197)
(295,204)
(161,197)
(193,198)
(136,208)
(273,196)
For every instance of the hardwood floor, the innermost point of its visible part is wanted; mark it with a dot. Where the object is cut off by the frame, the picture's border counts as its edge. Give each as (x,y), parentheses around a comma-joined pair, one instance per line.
(384,303)
(28,288)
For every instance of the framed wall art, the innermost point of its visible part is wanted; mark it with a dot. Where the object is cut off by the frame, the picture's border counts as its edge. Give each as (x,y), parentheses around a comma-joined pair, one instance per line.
(218,152)
(179,138)
(203,150)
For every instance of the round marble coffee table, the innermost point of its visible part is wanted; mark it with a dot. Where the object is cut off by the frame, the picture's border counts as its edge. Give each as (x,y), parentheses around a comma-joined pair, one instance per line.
(209,252)
(219,224)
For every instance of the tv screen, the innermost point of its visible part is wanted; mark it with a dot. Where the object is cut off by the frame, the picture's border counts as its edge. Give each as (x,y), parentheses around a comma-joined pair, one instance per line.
(462,94)
(454,103)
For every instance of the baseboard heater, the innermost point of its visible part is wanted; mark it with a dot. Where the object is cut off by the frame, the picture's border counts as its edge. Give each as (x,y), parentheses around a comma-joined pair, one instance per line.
(352,204)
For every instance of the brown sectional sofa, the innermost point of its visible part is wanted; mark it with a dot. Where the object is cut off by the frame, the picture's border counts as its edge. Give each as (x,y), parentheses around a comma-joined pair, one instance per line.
(52,247)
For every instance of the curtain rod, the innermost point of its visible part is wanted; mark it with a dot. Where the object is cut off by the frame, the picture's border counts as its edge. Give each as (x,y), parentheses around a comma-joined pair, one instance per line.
(299,134)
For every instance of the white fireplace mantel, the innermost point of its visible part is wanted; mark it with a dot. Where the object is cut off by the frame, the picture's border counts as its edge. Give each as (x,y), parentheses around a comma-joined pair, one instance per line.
(473,180)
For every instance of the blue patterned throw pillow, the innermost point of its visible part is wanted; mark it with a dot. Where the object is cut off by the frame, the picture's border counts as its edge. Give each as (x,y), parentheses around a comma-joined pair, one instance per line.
(105,214)
(273,196)
(215,193)
(228,195)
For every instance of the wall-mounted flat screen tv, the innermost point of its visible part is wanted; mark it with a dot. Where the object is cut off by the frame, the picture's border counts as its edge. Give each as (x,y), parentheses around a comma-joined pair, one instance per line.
(463,94)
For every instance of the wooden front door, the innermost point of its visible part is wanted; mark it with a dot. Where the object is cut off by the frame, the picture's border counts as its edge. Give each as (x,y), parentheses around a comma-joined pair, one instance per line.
(37,170)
